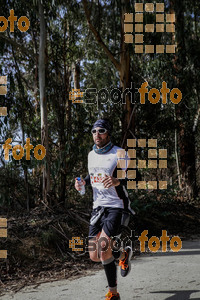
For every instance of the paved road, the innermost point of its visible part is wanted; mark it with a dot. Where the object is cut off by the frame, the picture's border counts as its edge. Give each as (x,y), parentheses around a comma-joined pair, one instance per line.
(160,276)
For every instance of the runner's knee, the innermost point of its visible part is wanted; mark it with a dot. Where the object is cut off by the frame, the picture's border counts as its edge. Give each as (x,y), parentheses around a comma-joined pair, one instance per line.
(94,256)
(104,247)
(93,250)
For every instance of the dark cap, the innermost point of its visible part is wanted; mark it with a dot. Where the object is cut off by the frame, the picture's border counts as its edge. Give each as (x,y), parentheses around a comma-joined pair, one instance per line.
(103,123)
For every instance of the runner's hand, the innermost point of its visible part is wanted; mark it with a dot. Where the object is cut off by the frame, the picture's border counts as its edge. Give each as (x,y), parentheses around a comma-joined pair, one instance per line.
(109,181)
(77,184)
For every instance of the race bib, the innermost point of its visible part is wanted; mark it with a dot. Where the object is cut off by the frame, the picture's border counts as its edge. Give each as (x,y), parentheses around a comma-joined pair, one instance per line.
(96,180)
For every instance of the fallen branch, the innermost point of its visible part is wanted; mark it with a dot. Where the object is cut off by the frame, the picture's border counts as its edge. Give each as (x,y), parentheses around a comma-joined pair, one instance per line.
(76,216)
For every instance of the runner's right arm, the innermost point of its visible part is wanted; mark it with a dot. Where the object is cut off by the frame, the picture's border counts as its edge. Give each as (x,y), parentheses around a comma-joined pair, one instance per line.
(77,185)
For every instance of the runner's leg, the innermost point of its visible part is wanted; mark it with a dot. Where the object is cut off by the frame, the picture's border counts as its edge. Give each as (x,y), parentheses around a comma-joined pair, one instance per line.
(93,248)
(108,261)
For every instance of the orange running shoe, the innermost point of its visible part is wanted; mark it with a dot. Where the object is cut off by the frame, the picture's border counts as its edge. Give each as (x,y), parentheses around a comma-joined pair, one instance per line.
(111,296)
(125,263)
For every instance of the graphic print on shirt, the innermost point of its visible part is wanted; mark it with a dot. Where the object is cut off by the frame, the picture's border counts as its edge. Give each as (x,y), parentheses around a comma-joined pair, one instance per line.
(97,175)
(98,166)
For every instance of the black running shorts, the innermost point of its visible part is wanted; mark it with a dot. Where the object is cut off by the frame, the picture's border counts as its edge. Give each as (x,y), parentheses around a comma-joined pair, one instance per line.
(110,222)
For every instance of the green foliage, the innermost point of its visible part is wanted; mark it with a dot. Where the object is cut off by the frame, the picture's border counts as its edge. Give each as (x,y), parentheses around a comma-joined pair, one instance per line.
(49,238)
(69,41)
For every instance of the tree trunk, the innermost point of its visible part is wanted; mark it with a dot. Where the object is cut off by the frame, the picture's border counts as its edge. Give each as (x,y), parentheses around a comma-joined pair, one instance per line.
(123,67)
(65,99)
(43,104)
(128,120)
(76,75)
(21,92)
(186,138)
(25,173)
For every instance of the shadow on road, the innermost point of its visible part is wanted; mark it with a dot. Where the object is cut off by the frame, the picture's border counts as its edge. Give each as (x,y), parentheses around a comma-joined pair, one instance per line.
(178,295)
(190,252)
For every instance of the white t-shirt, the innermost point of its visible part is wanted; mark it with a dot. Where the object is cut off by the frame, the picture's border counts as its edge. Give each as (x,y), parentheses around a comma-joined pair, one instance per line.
(98,166)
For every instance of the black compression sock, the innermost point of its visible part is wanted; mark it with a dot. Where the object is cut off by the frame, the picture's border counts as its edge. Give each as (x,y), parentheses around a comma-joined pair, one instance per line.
(111,271)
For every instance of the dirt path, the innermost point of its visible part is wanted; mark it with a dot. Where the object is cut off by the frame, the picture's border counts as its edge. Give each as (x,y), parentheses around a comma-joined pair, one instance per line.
(160,276)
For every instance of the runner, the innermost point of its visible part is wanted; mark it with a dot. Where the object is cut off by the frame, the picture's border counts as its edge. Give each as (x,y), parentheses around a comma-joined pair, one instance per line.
(110,201)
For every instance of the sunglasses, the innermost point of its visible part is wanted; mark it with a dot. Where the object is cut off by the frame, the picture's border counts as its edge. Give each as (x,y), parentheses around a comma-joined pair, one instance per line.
(100,131)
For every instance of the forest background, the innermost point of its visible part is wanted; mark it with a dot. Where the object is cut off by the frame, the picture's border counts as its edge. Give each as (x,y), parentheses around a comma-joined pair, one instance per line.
(80,45)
